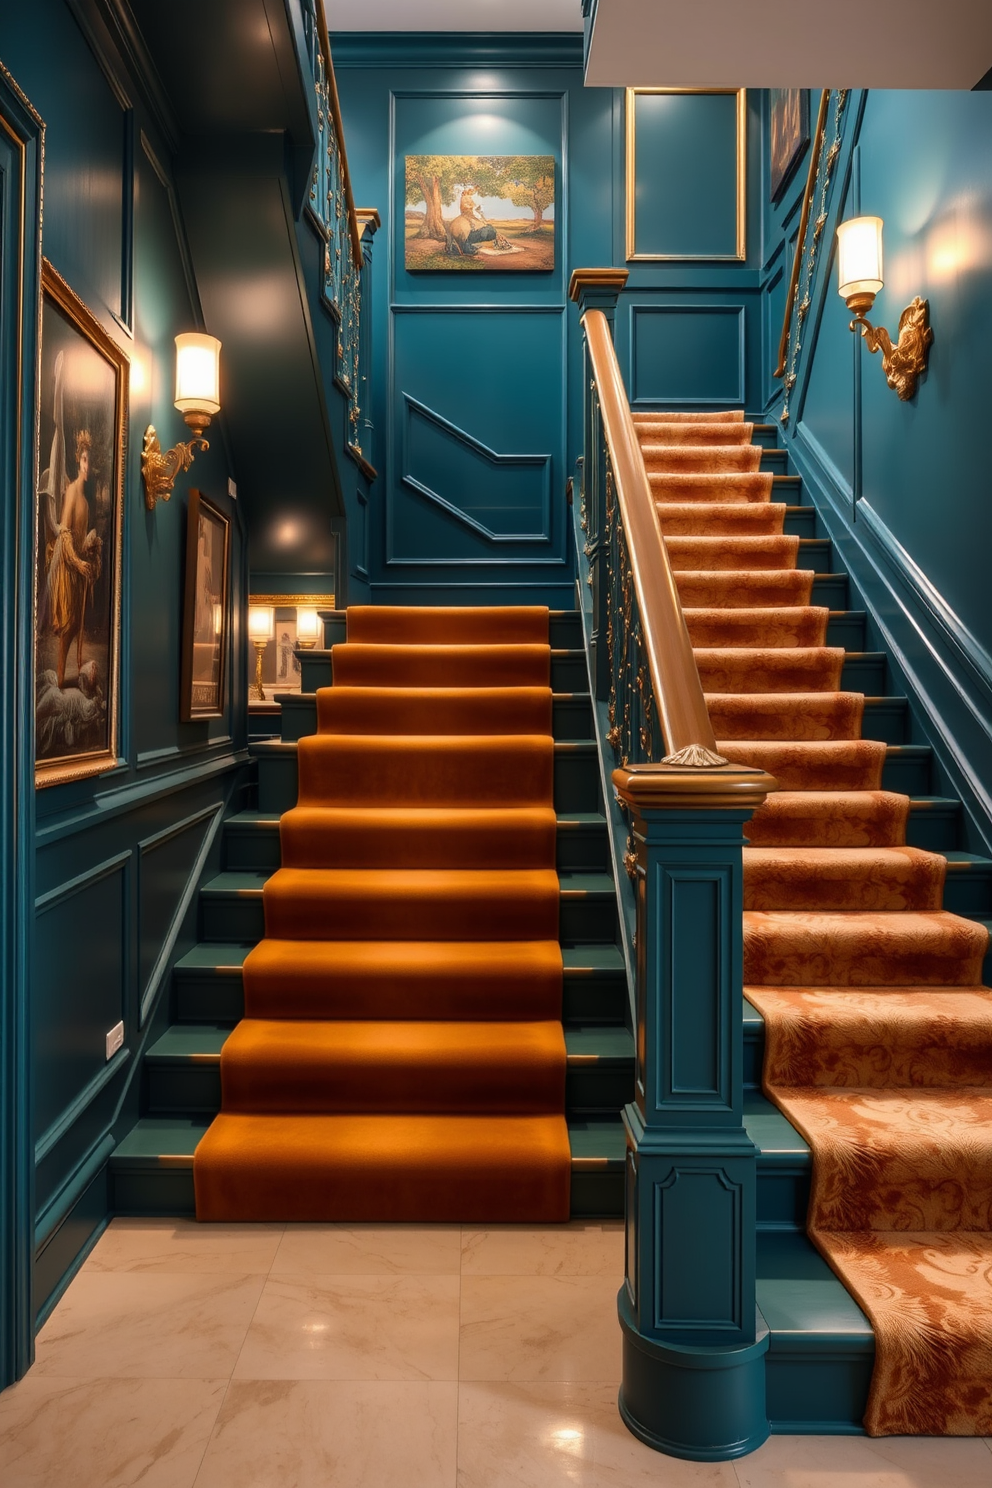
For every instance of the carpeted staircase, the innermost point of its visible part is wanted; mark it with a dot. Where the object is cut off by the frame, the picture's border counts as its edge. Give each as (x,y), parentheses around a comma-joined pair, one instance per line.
(402,1055)
(878,1034)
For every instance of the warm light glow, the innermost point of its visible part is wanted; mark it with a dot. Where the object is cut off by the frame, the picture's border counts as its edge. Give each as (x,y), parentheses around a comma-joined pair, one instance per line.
(859,256)
(218,619)
(307,626)
(261,622)
(197,373)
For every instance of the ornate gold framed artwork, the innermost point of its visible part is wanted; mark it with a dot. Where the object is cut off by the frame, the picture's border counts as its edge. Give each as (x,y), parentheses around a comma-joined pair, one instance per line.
(205,610)
(82,424)
(687,196)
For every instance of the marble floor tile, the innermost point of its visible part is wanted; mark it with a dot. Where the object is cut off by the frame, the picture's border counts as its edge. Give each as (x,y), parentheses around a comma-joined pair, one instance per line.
(354,1328)
(539,1327)
(866,1462)
(549,1434)
(124,1323)
(326,1434)
(582,1248)
(368,1250)
(183,1245)
(105,1433)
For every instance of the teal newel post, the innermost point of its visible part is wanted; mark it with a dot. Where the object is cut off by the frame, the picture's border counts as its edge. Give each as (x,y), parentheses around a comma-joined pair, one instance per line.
(693,1344)
(596,289)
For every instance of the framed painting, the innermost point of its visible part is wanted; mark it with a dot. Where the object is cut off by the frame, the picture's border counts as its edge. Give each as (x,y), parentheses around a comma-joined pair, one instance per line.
(788,134)
(471,212)
(82,423)
(292,625)
(205,610)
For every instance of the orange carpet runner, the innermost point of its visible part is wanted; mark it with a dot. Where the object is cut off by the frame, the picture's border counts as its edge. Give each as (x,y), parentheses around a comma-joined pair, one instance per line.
(401,1055)
(878,1034)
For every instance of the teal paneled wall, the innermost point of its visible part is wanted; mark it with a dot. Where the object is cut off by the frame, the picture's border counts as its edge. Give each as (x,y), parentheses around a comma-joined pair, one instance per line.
(117,856)
(904,486)
(685,141)
(476,421)
(478,374)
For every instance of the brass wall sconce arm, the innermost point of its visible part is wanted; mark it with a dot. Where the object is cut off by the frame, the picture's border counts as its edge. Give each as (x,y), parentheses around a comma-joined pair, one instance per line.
(859,273)
(159,469)
(904,362)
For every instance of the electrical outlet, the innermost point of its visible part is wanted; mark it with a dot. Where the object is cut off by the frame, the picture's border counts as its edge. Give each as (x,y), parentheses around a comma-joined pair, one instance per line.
(232,489)
(115,1039)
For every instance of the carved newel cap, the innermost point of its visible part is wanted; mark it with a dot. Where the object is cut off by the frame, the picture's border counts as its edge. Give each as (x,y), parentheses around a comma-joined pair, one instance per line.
(682,787)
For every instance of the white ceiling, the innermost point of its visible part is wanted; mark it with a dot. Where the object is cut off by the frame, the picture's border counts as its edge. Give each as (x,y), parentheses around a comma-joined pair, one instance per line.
(453,15)
(791,43)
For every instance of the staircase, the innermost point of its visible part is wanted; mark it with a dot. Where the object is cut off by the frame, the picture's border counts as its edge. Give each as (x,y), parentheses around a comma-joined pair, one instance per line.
(821,1352)
(822,1347)
(152,1168)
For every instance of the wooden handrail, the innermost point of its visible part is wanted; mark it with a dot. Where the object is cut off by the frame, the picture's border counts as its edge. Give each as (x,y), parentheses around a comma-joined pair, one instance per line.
(675,679)
(354,228)
(814,160)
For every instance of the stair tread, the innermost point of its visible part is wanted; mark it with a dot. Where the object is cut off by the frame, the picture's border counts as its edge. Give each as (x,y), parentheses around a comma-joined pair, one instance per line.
(228,957)
(202,1043)
(773,1134)
(801,1299)
(157,1141)
(247,882)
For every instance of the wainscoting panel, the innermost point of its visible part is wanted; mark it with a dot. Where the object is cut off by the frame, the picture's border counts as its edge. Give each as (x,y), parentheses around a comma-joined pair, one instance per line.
(687,354)
(477,449)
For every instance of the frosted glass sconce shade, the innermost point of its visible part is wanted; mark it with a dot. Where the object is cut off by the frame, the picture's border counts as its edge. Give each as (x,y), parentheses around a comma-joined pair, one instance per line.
(307,628)
(859,257)
(261,622)
(197,373)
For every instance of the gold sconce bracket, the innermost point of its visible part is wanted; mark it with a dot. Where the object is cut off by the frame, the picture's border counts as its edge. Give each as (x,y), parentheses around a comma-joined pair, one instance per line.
(159,468)
(904,362)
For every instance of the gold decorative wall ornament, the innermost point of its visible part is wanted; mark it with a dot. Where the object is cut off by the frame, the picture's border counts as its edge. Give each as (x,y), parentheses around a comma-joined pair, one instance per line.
(859,275)
(904,362)
(198,399)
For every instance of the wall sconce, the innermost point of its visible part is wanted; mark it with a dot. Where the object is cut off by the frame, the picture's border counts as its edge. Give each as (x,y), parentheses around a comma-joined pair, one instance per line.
(198,399)
(261,629)
(307,629)
(859,273)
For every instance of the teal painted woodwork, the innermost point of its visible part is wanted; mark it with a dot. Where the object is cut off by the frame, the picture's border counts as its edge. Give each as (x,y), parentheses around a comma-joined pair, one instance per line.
(687,354)
(915,546)
(683,140)
(21,148)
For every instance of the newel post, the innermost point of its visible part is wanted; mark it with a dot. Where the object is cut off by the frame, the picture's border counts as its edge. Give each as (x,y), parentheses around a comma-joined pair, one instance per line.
(693,1348)
(596,289)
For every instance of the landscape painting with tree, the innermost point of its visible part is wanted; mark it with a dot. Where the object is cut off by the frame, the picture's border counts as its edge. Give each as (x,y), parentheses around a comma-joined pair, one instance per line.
(78,535)
(480,212)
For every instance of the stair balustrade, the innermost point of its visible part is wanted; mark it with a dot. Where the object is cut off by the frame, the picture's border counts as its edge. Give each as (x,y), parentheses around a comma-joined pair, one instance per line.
(693,1342)
(347,234)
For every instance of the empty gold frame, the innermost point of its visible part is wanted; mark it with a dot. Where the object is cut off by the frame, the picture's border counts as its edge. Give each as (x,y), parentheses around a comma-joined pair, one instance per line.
(739,254)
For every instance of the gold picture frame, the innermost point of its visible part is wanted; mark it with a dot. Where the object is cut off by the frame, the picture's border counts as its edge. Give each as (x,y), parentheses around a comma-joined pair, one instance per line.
(206,610)
(740,253)
(81,449)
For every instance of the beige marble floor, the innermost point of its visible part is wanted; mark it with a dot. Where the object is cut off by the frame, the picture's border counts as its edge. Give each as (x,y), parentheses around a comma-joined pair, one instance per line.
(254,1356)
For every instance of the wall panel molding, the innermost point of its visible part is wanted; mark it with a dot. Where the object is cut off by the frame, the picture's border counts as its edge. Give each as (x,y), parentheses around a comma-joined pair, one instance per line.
(705,364)
(211,817)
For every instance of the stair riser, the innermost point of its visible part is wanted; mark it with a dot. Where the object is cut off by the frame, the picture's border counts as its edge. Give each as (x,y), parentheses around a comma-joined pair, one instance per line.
(847,629)
(830,589)
(572,718)
(194,1089)
(864,674)
(800,522)
(909,775)
(583,919)
(218,998)
(576,781)
(169,1191)
(256,850)
(811,1389)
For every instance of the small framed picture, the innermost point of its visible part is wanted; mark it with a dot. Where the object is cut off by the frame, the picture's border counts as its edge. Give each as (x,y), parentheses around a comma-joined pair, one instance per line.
(789,129)
(82,423)
(206,610)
